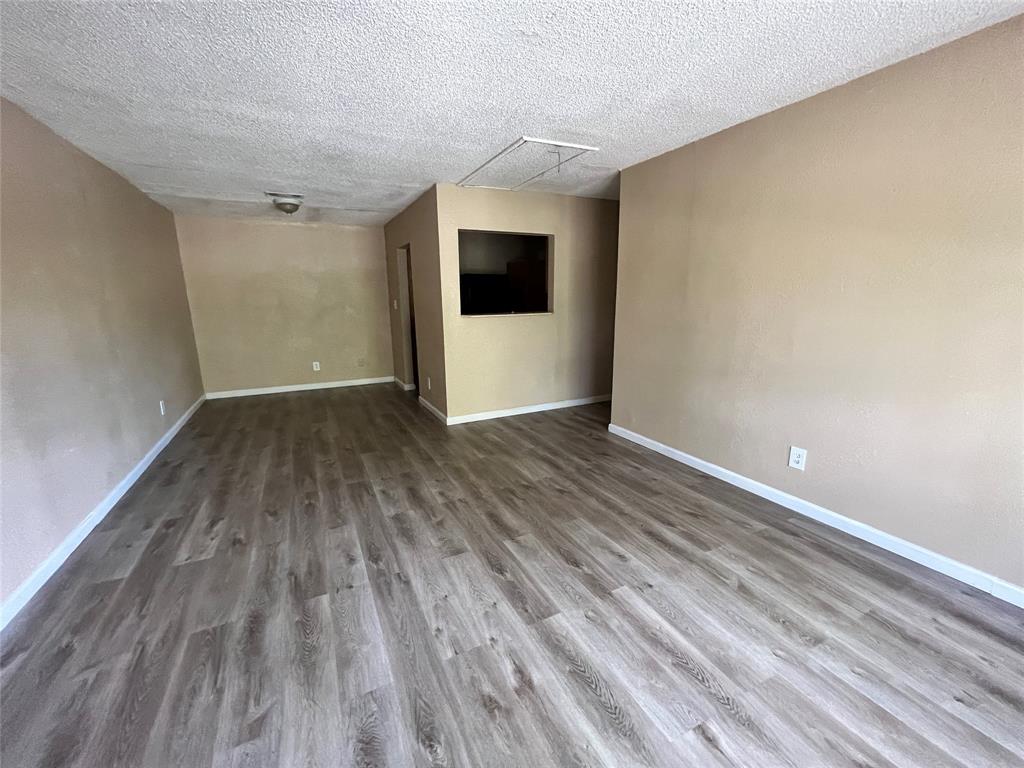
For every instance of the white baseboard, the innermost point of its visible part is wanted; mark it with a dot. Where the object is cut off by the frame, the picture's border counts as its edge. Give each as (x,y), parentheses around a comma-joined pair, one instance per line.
(1000,588)
(403,385)
(297,387)
(484,415)
(19,597)
(434,411)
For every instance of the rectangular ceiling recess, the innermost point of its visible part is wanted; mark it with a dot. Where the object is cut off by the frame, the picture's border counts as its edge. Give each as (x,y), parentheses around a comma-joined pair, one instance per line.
(523,162)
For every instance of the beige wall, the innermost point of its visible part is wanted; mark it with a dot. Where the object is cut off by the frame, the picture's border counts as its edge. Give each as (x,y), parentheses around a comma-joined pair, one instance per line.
(269,298)
(845,275)
(416,227)
(502,362)
(94,332)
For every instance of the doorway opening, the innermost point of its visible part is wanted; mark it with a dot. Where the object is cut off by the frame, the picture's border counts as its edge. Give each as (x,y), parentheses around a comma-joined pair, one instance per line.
(408,300)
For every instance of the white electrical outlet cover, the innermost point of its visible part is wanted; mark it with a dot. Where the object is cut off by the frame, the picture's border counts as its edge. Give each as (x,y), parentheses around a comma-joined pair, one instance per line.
(797,458)
(316,365)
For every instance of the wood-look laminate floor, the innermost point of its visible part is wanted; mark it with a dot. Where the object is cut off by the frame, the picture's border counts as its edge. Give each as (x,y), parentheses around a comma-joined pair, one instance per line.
(333,578)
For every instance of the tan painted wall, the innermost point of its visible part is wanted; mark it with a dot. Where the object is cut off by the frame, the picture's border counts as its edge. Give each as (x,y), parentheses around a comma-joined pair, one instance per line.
(845,275)
(399,313)
(501,362)
(416,227)
(94,332)
(269,298)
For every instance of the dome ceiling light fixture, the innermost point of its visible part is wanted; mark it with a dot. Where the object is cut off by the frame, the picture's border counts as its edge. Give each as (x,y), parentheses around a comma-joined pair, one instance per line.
(285,202)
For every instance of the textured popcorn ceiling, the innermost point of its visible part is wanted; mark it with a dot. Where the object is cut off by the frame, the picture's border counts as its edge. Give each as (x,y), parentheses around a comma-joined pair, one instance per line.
(360,106)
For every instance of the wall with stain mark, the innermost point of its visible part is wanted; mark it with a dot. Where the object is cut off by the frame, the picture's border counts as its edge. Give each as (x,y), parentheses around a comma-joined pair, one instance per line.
(95,333)
(268,299)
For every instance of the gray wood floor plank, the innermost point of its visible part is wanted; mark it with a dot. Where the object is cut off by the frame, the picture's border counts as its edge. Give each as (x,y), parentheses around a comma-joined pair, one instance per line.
(250,728)
(139,687)
(733,710)
(425,696)
(811,735)
(951,734)
(651,683)
(491,713)
(312,706)
(901,745)
(372,732)
(559,584)
(360,654)
(185,731)
(624,727)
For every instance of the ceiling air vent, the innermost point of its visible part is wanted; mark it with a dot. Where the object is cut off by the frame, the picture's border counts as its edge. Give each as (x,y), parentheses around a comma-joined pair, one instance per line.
(524,162)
